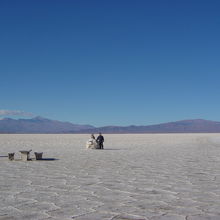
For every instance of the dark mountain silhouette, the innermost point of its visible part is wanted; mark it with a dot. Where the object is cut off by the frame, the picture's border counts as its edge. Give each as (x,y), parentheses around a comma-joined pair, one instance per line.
(43,125)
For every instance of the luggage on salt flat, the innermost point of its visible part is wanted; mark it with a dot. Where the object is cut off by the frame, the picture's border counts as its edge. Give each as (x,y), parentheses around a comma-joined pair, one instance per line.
(91,144)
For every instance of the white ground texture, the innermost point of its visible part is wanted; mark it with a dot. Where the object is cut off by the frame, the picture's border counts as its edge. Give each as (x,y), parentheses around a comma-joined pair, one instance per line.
(136,177)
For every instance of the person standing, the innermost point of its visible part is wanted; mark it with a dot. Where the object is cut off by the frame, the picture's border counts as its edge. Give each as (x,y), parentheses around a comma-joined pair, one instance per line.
(100,141)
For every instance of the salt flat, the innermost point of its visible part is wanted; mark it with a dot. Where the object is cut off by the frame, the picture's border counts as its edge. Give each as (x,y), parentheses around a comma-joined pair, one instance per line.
(137,176)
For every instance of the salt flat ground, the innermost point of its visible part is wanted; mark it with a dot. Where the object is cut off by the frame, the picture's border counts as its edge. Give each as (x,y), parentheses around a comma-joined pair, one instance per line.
(141,176)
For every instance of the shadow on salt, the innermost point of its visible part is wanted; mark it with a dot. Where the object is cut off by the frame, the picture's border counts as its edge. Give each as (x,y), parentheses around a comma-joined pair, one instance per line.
(49,159)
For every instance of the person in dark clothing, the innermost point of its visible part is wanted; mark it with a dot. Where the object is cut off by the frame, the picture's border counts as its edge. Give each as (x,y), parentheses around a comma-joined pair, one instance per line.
(100,141)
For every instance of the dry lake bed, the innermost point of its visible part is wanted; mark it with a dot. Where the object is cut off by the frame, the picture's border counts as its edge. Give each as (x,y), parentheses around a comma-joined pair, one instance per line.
(136,176)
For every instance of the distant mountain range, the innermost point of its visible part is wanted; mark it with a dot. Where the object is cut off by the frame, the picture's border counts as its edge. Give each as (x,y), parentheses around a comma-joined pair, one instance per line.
(39,125)
(46,126)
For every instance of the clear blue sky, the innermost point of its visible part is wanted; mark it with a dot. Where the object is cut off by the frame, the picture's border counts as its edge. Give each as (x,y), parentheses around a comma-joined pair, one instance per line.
(111,62)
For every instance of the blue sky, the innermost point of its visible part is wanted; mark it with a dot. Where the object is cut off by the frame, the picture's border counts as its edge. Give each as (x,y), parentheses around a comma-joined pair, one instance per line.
(117,62)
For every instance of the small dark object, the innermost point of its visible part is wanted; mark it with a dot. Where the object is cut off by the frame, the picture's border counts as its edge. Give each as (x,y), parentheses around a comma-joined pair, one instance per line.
(38,155)
(11,156)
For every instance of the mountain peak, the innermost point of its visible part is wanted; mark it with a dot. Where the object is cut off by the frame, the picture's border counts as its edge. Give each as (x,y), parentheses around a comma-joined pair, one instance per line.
(39,125)
(195,121)
(39,118)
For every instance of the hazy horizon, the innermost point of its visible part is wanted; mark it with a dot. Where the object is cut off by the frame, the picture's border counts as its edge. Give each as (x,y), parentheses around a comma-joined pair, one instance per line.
(53,119)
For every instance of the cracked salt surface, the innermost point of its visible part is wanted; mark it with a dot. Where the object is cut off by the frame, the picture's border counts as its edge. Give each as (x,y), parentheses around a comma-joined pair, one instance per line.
(137,177)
